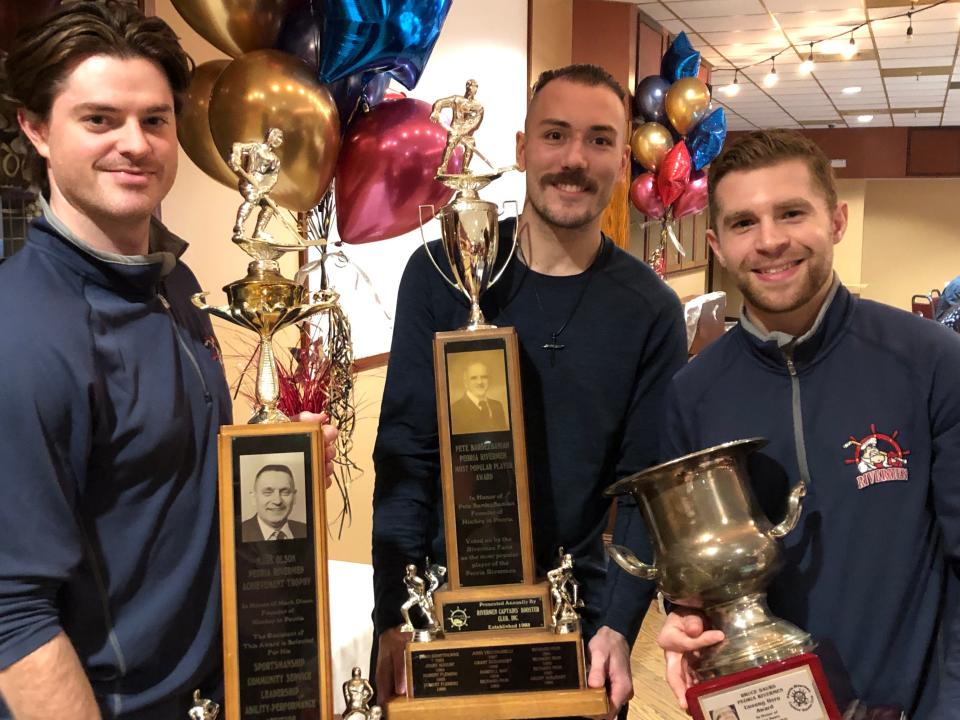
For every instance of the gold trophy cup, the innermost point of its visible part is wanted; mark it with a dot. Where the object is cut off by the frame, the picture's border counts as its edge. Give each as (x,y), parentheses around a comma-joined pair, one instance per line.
(264,301)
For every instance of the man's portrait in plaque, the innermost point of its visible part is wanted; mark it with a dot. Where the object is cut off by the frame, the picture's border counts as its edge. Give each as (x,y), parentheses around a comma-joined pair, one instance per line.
(476,386)
(270,486)
(725,713)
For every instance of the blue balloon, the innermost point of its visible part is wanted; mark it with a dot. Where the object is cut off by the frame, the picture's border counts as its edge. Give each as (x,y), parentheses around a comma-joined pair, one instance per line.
(648,99)
(389,36)
(300,33)
(348,91)
(707,138)
(680,60)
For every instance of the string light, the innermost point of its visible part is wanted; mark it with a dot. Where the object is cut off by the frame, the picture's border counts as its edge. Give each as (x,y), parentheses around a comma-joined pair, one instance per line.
(806,67)
(847,50)
(733,89)
(770,79)
(850,49)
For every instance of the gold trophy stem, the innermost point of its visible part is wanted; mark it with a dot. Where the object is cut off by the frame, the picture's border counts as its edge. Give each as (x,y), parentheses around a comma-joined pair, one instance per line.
(268,387)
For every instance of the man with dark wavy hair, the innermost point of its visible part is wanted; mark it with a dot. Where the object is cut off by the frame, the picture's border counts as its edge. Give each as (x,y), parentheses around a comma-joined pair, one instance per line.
(113,390)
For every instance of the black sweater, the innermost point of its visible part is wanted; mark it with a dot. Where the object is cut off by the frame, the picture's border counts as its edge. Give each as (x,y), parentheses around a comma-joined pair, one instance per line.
(592,415)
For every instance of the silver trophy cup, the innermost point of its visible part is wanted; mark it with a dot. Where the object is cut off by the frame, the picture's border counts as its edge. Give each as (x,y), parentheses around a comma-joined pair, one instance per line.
(716,551)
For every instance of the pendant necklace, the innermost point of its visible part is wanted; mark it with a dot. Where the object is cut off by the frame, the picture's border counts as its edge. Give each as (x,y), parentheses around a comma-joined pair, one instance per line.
(555,345)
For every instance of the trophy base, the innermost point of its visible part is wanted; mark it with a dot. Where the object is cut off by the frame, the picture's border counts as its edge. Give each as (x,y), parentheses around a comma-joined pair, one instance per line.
(786,690)
(498,676)
(589,702)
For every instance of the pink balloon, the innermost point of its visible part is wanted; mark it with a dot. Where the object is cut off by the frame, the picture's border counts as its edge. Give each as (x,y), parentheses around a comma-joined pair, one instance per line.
(694,197)
(386,170)
(643,195)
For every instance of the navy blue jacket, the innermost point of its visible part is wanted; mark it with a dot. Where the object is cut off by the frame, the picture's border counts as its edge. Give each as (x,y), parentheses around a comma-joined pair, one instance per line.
(592,413)
(112,396)
(871,570)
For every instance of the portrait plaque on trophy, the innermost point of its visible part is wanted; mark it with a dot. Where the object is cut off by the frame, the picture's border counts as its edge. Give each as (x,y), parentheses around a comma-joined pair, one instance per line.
(486,505)
(274,573)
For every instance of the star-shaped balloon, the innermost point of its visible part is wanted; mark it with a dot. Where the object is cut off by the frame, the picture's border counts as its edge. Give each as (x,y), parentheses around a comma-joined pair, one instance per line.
(680,60)
(707,138)
(391,36)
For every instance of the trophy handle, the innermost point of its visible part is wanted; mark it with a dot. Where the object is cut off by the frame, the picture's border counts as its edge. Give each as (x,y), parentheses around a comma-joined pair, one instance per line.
(625,558)
(200,300)
(513,247)
(430,254)
(794,508)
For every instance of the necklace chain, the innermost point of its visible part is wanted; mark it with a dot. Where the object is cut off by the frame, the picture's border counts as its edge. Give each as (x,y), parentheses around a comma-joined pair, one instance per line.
(555,345)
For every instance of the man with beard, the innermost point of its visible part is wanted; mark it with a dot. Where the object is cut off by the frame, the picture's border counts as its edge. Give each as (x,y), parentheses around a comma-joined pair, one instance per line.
(871,569)
(600,335)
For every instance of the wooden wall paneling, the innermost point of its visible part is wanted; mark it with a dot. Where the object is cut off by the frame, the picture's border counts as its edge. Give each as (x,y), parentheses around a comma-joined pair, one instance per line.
(868,152)
(686,241)
(933,152)
(605,34)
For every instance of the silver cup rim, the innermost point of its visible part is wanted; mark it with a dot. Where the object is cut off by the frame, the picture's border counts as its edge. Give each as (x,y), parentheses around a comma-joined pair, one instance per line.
(624,486)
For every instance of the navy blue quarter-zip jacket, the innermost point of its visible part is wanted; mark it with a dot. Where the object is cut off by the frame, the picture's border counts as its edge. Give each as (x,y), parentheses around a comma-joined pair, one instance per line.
(112,395)
(866,408)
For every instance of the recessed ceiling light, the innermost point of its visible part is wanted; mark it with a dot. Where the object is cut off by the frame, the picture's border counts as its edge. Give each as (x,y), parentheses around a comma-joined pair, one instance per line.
(864,118)
(852,90)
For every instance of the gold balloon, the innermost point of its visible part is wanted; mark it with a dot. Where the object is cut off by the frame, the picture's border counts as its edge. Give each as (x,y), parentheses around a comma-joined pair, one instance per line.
(193,124)
(686,103)
(236,26)
(650,143)
(267,89)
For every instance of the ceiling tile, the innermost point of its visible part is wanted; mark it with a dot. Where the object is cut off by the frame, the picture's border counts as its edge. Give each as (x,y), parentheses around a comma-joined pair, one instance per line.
(689,9)
(813,7)
(735,33)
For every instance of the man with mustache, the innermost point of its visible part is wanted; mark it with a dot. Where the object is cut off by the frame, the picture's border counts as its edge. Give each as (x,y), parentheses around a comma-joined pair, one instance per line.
(600,335)
(113,390)
(871,570)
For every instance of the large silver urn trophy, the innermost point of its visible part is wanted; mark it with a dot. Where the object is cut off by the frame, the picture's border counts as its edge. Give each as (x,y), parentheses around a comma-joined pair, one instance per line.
(716,551)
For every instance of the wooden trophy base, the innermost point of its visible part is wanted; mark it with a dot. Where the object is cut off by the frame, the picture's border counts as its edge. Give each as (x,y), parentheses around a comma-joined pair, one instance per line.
(503,706)
(792,689)
(498,676)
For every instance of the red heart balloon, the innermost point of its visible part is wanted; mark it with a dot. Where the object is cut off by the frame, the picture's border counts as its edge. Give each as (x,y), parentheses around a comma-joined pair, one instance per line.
(386,170)
(674,173)
(643,195)
(694,197)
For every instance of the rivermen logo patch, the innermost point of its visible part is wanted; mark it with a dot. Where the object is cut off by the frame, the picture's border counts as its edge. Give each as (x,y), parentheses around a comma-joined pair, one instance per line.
(879,458)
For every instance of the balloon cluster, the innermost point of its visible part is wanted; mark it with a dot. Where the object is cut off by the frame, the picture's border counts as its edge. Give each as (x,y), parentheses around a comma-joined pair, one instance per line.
(677,135)
(319,70)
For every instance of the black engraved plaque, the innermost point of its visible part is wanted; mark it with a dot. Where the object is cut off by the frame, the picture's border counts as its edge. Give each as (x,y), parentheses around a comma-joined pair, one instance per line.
(448,672)
(276,585)
(484,476)
(499,614)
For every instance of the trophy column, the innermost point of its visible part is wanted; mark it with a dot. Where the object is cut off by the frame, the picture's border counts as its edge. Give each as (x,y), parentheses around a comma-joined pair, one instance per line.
(498,645)
(273,539)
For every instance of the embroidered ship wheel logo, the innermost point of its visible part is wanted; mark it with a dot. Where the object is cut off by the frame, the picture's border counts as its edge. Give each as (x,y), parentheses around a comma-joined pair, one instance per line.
(876,450)
(800,697)
(458,618)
